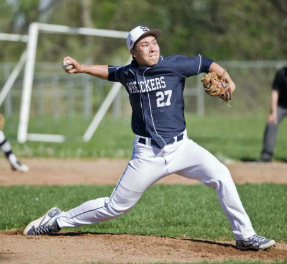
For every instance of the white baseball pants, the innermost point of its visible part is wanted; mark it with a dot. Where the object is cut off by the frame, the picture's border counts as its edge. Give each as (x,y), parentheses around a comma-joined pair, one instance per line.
(148,165)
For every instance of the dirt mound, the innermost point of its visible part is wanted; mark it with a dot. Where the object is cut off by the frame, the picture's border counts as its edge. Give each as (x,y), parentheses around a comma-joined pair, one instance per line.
(76,247)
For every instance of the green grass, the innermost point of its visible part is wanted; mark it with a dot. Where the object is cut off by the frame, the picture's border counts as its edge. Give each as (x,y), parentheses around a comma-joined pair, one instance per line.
(172,211)
(238,138)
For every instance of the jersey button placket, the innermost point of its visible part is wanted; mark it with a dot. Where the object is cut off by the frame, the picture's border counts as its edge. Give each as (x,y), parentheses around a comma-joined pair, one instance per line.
(143,97)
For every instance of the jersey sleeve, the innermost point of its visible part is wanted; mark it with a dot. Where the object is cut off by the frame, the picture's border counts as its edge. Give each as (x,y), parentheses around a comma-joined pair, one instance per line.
(277,82)
(114,73)
(189,66)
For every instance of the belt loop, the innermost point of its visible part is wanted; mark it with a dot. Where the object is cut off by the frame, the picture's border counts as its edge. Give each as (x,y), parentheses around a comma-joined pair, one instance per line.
(185,134)
(148,141)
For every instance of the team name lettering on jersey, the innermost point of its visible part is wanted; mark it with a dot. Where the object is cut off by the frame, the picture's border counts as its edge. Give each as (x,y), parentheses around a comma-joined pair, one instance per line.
(132,86)
(147,85)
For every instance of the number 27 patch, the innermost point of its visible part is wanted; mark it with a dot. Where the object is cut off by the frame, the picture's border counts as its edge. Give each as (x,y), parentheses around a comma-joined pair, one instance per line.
(163,98)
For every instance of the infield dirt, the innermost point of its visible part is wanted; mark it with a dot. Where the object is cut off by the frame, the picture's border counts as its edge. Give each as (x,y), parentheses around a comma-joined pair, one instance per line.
(77,247)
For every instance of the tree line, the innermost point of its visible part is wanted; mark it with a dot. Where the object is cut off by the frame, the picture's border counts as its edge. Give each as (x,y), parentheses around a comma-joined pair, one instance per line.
(218,29)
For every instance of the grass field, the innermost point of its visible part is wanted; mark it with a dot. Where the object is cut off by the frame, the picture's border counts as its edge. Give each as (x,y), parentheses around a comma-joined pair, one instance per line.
(238,138)
(169,211)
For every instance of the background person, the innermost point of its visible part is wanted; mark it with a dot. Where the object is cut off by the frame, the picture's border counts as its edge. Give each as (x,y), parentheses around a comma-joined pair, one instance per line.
(7,150)
(278,104)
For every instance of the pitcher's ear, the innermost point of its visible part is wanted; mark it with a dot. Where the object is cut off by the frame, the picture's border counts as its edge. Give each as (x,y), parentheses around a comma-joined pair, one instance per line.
(133,53)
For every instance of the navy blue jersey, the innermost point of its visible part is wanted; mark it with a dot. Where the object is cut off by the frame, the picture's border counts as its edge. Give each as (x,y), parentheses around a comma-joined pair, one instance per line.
(280,84)
(156,94)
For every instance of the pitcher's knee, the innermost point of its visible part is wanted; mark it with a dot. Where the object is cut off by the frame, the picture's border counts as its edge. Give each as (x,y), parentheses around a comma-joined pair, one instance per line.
(118,209)
(218,170)
(224,171)
(218,177)
(119,205)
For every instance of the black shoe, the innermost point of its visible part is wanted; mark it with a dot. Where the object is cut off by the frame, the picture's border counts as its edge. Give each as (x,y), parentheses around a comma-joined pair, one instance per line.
(264,160)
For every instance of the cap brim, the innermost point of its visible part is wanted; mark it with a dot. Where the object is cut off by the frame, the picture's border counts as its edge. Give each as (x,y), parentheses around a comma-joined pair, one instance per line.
(155,32)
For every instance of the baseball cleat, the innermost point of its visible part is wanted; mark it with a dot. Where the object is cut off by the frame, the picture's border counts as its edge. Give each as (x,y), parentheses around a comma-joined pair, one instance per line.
(19,166)
(255,242)
(44,225)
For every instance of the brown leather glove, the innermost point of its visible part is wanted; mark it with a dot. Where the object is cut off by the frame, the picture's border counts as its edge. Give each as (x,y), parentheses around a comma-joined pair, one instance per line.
(215,85)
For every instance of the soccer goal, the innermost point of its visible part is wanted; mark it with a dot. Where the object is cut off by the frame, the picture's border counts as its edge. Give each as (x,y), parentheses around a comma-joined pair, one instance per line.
(34,30)
(13,76)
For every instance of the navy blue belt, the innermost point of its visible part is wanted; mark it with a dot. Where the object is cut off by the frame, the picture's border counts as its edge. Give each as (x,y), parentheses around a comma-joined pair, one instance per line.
(153,142)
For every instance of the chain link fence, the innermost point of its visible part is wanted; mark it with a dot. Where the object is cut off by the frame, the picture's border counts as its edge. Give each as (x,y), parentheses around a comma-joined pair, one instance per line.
(58,94)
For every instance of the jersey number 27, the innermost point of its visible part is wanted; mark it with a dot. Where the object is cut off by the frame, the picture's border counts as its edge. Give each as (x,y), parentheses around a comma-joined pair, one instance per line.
(163,98)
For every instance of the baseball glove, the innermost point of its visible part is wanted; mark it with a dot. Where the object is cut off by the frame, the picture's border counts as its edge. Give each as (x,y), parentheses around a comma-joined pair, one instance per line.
(1,122)
(215,85)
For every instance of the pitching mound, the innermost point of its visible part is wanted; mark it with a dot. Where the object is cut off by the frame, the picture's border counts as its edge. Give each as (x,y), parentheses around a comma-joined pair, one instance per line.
(74,247)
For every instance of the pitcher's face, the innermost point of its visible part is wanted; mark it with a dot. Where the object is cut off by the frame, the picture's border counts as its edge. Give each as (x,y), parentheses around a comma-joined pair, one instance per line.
(146,51)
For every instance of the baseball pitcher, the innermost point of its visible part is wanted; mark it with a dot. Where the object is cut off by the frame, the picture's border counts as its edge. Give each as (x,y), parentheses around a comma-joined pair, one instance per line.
(161,146)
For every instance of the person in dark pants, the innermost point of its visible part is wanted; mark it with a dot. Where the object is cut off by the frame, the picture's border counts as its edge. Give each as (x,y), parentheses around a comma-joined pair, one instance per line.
(277,113)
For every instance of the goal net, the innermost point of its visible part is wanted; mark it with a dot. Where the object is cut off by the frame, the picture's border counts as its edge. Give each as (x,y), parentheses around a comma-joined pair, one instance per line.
(54,96)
